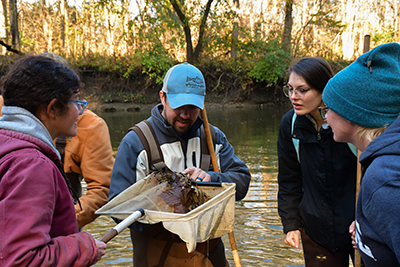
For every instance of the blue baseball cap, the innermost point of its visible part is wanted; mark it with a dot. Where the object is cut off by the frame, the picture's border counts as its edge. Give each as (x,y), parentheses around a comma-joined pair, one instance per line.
(184,85)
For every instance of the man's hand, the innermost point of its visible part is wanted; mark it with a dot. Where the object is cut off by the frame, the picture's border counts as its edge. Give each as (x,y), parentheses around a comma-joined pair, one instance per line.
(197,175)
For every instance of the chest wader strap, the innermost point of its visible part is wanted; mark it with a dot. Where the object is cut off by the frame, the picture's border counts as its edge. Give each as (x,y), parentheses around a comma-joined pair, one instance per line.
(154,154)
(149,140)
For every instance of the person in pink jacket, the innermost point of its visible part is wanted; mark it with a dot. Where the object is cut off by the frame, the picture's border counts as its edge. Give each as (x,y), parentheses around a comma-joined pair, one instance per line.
(87,156)
(38,225)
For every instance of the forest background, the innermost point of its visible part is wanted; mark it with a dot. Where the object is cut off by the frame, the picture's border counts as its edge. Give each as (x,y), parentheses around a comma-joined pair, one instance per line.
(123,48)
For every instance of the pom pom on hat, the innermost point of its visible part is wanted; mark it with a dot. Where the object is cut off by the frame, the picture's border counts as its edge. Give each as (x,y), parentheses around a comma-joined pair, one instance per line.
(367,92)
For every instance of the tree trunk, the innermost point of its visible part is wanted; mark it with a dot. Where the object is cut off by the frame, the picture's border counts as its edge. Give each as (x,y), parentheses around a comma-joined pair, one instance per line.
(14,24)
(110,35)
(199,46)
(287,30)
(64,25)
(125,14)
(186,29)
(46,27)
(192,56)
(92,28)
(348,34)
(235,32)
(6,25)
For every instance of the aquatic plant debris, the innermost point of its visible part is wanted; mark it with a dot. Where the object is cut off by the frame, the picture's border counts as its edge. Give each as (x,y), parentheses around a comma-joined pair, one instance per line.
(181,192)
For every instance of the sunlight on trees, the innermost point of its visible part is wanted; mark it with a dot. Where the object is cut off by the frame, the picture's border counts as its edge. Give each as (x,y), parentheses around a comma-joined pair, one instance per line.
(156,34)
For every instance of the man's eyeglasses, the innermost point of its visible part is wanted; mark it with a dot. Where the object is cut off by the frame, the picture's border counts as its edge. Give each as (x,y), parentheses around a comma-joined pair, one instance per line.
(299,92)
(323,111)
(81,104)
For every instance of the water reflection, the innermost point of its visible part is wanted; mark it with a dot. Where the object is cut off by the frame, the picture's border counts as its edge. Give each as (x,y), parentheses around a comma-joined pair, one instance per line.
(258,232)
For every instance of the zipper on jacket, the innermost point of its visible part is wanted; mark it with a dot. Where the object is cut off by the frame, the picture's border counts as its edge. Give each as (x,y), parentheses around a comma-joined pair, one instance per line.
(194,159)
(314,122)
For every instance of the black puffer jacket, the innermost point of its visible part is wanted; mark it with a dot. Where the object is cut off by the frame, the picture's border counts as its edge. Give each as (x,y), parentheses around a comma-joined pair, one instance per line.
(318,193)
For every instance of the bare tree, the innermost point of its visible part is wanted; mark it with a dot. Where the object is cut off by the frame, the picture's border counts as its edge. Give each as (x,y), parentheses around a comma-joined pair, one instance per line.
(14,24)
(192,55)
(64,25)
(5,14)
(235,32)
(47,30)
(287,30)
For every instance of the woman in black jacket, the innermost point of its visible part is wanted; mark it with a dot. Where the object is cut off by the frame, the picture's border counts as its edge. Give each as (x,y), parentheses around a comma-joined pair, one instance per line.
(317,176)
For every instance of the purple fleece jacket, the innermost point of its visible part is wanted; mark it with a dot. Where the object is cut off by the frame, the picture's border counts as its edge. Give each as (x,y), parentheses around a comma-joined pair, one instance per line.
(38,225)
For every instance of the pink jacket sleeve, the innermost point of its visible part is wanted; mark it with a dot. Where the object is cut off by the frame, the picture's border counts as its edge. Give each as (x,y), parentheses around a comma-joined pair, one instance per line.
(37,218)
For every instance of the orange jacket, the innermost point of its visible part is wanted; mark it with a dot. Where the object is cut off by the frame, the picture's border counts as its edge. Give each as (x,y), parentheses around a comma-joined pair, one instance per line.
(89,154)
(1,104)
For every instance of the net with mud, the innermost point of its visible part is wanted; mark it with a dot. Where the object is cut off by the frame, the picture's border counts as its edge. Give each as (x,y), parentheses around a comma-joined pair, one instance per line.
(196,213)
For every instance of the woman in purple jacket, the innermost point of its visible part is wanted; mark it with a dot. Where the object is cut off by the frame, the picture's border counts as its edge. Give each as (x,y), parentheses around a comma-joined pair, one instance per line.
(37,217)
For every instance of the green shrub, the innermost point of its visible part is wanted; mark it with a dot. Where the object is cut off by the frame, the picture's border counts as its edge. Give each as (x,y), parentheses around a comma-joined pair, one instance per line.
(265,61)
(155,63)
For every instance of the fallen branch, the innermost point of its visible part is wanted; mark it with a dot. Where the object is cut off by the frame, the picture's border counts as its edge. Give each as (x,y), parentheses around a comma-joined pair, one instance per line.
(9,48)
(219,81)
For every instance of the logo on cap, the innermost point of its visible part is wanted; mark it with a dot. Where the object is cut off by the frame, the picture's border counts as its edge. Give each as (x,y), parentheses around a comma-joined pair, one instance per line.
(194,83)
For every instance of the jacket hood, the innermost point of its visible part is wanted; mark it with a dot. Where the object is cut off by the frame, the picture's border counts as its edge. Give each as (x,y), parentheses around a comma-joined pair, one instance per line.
(387,143)
(22,129)
(13,141)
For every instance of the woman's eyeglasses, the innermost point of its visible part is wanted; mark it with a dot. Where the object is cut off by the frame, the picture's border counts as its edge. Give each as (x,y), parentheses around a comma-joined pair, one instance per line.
(299,92)
(323,111)
(81,104)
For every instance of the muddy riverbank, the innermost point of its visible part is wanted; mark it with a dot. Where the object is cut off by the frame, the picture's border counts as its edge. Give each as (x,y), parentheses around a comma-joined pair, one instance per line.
(108,92)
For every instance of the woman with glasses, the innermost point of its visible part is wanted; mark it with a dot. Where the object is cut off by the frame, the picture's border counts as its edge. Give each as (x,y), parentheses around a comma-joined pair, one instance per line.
(38,225)
(317,175)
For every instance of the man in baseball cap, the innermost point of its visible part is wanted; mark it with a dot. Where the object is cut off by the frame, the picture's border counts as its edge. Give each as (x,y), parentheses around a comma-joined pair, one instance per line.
(176,125)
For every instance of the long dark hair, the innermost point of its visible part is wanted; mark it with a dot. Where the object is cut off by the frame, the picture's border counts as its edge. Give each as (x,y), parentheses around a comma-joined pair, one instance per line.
(314,70)
(33,81)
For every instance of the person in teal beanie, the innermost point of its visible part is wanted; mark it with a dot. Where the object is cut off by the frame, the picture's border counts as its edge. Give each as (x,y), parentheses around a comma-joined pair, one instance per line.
(362,107)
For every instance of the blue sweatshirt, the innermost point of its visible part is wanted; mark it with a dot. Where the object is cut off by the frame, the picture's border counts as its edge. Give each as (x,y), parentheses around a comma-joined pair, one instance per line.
(378,207)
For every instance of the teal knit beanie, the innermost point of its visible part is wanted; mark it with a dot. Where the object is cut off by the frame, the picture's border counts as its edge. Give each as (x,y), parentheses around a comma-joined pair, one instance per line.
(368,91)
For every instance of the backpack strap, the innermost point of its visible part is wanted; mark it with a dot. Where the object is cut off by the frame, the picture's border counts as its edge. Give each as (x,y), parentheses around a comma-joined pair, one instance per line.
(205,153)
(353,149)
(149,140)
(154,154)
(296,142)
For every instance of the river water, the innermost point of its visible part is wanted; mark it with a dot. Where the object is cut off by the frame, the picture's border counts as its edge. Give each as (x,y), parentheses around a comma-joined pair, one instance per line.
(253,132)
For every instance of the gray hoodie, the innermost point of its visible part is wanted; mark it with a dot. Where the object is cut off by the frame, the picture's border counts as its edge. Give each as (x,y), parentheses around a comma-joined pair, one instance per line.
(21,120)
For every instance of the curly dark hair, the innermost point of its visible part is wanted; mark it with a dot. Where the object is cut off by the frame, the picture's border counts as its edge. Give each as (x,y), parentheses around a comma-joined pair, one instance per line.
(33,81)
(314,70)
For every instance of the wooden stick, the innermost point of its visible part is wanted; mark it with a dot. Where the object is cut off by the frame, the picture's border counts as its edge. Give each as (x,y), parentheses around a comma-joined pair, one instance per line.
(210,145)
(122,225)
(367,40)
(357,256)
